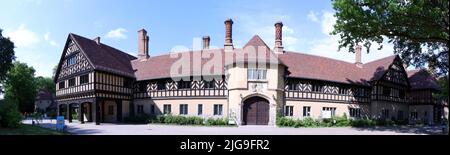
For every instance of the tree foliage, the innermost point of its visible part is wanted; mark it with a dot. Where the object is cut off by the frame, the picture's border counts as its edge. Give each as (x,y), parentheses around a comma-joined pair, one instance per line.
(417,28)
(6,56)
(45,83)
(20,85)
(10,117)
(443,84)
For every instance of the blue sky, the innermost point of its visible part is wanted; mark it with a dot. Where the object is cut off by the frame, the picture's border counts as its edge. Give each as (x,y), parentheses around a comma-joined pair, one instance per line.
(39,28)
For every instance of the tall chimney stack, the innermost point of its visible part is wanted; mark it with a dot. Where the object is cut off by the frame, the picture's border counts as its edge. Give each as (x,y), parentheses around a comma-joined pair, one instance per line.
(229,35)
(97,40)
(279,49)
(206,41)
(358,61)
(143,44)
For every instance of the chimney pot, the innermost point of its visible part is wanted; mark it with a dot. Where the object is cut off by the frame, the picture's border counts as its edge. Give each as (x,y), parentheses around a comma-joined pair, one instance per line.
(229,35)
(279,49)
(358,54)
(206,42)
(143,44)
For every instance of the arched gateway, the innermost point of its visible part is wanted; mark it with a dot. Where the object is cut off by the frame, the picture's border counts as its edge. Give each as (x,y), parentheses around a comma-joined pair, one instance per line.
(256,111)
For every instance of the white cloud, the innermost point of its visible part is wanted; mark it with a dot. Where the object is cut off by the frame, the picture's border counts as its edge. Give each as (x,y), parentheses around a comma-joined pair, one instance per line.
(328,46)
(118,33)
(22,37)
(47,36)
(313,16)
(328,21)
(51,42)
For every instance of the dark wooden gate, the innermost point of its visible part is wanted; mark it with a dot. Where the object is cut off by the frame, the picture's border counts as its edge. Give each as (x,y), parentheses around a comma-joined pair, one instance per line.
(256,111)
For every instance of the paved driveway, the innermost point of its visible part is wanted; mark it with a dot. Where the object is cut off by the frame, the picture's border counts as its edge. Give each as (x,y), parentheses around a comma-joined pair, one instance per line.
(126,129)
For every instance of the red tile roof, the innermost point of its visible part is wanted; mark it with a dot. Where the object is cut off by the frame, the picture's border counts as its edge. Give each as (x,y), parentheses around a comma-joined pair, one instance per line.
(422,79)
(299,65)
(104,57)
(44,95)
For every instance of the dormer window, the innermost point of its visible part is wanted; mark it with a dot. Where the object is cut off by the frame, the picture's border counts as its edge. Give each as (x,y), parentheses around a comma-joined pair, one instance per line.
(256,74)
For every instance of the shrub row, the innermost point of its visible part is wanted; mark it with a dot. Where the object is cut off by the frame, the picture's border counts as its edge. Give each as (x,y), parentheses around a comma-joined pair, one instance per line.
(343,121)
(179,120)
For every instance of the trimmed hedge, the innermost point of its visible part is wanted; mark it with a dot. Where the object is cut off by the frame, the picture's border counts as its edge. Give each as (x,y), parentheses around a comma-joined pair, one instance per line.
(343,121)
(189,120)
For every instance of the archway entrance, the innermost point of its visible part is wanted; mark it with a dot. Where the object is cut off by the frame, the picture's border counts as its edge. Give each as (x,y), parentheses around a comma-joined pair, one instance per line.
(256,111)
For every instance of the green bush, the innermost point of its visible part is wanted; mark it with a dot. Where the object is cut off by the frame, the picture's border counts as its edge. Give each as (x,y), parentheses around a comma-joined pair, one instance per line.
(216,121)
(343,121)
(310,122)
(10,115)
(188,120)
(363,123)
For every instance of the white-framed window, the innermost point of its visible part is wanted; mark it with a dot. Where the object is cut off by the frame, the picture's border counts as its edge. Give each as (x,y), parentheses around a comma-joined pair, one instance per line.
(256,74)
(328,112)
(218,109)
(183,109)
(71,60)
(84,79)
(200,109)
(289,111)
(306,111)
(71,82)
(167,108)
(355,112)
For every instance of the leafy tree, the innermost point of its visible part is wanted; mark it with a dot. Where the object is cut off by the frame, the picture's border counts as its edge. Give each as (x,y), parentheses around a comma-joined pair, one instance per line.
(6,56)
(20,85)
(45,83)
(54,71)
(443,84)
(419,29)
(10,117)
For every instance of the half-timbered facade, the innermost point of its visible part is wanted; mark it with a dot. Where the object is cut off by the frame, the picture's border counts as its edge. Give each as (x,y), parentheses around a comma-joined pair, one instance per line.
(249,85)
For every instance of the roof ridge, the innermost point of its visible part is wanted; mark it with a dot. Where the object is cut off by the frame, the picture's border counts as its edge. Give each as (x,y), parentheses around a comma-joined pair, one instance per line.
(190,51)
(256,38)
(395,55)
(320,57)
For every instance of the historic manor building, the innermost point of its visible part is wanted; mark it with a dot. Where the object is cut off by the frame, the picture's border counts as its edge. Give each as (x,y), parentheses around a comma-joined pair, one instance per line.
(104,84)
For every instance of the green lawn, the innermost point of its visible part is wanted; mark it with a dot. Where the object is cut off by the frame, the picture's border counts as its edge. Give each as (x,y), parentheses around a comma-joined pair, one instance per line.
(26,129)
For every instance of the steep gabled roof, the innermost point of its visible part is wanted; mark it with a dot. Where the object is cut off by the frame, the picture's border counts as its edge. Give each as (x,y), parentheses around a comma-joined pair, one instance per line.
(256,41)
(422,79)
(375,70)
(44,95)
(104,57)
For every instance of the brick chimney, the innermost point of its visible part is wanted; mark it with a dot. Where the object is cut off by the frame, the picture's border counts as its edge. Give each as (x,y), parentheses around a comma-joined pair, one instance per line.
(206,42)
(97,40)
(229,35)
(358,53)
(143,45)
(279,49)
